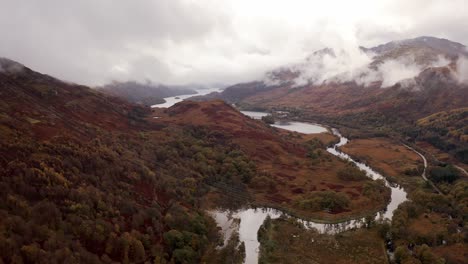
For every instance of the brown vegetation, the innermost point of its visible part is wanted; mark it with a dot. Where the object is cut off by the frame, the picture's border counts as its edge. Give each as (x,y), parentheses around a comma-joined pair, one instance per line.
(89,178)
(287,167)
(387,156)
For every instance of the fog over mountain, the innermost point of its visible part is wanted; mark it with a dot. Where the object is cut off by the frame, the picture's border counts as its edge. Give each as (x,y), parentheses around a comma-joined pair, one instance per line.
(205,41)
(394,62)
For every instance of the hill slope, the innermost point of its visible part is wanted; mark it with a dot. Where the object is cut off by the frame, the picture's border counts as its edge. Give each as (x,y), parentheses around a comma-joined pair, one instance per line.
(289,169)
(88,178)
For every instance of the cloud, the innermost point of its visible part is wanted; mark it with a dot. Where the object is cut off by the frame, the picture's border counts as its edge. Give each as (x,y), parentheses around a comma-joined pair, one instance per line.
(185,41)
(359,66)
(403,70)
(394,71)
(462,70)
(339,66)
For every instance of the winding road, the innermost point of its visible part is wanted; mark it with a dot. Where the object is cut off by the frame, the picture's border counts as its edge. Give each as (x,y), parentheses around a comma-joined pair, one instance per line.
(461,169)
(423,175)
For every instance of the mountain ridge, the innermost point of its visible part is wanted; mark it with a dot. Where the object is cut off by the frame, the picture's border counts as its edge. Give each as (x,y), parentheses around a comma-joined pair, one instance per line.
(425,83)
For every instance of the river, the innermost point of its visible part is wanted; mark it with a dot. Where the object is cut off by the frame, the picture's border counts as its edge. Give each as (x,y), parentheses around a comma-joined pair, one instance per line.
(170,101)
(252,218)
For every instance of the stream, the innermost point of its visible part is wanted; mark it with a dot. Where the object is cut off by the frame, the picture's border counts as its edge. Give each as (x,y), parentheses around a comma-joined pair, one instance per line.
(247,221)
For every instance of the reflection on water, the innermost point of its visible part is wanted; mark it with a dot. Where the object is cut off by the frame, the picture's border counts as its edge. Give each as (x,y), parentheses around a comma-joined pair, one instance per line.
(301,127)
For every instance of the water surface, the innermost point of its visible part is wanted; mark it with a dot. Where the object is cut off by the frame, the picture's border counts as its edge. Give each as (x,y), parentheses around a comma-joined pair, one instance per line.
(170,101)
(301,127)
(254,114)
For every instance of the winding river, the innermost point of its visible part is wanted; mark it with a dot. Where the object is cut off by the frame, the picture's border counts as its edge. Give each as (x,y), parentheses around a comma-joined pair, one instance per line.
(252,218)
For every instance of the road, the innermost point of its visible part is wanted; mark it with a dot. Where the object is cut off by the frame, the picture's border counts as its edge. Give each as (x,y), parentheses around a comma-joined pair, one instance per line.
(461,169)
(423,175)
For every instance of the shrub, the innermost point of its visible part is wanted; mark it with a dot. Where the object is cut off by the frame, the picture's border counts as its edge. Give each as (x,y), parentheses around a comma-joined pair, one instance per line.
(324,200)
(444,174)
(351,173)
(269,119)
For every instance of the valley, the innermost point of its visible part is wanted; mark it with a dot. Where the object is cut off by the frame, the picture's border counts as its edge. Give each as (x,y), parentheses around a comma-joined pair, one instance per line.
(397,130)
(251,219)
(345,173)
(234,132)
(73,147)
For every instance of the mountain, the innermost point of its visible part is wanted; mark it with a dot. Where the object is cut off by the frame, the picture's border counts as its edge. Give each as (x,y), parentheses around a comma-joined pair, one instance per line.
(382,89)
(46,107)
(146,94)
(323,66)
(441,46)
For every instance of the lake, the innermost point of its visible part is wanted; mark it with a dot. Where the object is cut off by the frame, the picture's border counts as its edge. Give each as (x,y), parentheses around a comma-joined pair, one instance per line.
(170,101)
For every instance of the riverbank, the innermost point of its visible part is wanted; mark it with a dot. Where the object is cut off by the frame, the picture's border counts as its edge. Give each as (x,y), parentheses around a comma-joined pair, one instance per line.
(390,158)
(398,196)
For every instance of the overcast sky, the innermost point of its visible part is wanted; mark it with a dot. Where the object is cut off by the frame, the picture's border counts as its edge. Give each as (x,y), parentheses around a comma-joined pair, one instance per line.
(204,41)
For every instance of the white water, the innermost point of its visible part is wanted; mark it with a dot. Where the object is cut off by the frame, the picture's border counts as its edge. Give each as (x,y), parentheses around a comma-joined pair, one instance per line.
(170,101)
(251,219)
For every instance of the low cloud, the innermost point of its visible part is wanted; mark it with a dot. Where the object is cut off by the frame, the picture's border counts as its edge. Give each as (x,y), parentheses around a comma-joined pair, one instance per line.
(462,70)
(8,66)
(394,71)
(360,67)
(331,66)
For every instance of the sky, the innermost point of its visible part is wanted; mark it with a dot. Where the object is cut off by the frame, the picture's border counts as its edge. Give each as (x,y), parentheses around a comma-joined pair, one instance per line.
(94,42)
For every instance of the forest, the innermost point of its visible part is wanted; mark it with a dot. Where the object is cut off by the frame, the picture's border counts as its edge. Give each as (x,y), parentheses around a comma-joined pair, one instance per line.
(85,178)
(118,197)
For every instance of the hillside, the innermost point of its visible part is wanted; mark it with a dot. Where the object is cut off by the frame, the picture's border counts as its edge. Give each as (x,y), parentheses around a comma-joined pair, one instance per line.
(44,107)
(288,170)
(88,178)
(447,131)
(146,94)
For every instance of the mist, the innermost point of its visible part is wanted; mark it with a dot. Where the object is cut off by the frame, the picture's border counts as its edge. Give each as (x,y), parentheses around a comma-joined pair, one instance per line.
(8,66)
(328,66)
(462,70)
